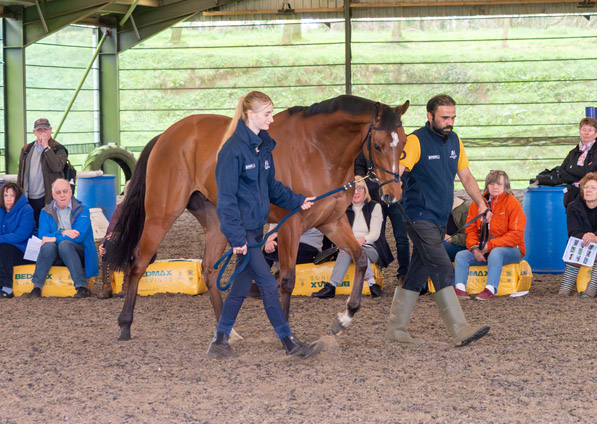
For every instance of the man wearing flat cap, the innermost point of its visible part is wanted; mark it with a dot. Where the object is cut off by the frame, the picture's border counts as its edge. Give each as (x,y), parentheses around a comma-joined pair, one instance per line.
(41,163)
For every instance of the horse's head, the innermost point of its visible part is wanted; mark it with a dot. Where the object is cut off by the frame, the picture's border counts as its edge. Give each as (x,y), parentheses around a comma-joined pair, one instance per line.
(383,148)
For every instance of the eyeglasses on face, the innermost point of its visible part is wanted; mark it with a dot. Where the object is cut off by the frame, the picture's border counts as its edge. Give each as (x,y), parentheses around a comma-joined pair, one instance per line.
(360,188)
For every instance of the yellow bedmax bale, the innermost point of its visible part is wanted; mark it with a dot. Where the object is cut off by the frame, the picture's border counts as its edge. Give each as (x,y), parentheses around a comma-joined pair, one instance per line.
(173,276)
(58,281)
(515,278)
(582,280)
(310,278)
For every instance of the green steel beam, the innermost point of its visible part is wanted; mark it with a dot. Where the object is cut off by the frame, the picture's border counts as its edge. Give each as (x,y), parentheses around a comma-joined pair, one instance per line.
(149,22)
(109,105)
(109,89)
(15,117)
(57,14)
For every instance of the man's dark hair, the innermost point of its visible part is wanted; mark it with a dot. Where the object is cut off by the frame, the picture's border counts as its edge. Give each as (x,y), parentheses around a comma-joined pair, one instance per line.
(9,186)
(439,100)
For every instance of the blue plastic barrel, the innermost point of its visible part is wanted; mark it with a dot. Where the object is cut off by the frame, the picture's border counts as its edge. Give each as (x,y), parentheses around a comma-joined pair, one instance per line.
(546,232)
(98,192)
(591,112)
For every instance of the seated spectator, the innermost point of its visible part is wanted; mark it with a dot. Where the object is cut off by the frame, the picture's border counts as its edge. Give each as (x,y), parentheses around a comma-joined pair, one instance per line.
(67,239)
(581,216)
(16,226)
(454,241)
(580,160)
(505,239)
(366,218)
(310,245)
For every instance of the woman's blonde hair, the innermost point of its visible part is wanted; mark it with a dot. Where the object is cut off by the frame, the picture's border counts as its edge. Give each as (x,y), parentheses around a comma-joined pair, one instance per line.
(494,177)
(254,101)
(364,185)
(588,177)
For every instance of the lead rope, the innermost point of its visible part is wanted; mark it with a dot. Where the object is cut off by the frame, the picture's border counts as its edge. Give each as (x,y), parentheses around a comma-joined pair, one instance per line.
(226,257)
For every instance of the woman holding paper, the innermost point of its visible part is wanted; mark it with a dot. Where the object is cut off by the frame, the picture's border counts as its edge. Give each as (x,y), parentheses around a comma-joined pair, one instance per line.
(581,216)
(16,226)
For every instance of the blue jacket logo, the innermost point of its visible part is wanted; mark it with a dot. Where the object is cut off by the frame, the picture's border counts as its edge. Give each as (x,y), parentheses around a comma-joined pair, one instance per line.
(250,166)
(266,165)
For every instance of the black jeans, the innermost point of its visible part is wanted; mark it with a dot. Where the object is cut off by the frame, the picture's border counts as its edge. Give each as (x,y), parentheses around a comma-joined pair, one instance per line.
(37,205)
(10,256)
(429,259)
(305,255)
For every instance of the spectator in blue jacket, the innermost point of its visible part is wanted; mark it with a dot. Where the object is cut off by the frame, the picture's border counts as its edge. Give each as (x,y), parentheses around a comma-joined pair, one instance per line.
(245,175)
(16,226)
(67,239)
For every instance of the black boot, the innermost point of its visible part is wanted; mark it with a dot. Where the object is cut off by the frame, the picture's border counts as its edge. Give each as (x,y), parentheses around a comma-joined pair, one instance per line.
(376,291)
(327,292)
(220,348)
(295,347)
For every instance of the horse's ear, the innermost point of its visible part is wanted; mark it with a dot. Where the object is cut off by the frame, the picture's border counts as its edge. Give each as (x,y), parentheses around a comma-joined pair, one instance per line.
(401,110)
(377,111)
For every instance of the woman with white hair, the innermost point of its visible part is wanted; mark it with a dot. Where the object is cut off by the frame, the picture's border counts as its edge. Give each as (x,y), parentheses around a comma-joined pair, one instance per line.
(366,218)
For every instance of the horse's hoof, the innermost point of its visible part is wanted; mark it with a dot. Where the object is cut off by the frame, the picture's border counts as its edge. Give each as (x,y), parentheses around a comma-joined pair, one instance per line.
(104,295)
(337,328)
(125,334)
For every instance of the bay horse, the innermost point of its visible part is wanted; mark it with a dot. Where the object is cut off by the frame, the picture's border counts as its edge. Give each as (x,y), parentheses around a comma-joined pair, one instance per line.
(315,153)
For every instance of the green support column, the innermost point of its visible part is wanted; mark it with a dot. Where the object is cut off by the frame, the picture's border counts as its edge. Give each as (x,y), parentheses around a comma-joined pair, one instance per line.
(15,118)
(109,97)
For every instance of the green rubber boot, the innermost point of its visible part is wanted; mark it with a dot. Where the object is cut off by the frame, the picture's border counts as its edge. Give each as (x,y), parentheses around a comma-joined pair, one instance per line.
(402,308)
(451,312)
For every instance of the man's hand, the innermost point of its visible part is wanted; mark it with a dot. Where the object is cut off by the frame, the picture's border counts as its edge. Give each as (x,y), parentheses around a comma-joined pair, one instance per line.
(73,234)
(45,240)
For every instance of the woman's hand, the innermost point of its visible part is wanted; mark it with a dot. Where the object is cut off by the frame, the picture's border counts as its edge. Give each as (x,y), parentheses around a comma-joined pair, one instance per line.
(102,249)
(361,240)
(307,203)
(588,238)
(479,256)
(240,250)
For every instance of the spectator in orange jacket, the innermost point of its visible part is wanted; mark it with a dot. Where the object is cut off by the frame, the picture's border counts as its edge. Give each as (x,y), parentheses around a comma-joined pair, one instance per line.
(504,243)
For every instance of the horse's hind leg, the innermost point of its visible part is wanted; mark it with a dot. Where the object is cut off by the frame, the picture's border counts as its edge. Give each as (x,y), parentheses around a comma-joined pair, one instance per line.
(215,244)
(153,232)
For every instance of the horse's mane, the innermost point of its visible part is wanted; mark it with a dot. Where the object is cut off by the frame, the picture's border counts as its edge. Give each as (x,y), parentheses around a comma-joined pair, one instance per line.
(350,104)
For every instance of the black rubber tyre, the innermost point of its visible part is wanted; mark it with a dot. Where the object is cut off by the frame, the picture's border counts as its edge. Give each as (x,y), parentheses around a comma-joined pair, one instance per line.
(120,155)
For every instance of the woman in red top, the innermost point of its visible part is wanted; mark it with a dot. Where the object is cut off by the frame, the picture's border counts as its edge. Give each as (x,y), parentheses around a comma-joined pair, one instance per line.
(505,243)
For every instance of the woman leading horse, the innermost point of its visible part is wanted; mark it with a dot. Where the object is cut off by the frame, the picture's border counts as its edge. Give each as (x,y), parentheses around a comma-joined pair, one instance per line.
(315,153)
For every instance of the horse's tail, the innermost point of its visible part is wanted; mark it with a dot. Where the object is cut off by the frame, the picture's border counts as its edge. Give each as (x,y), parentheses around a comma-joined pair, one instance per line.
(129,228)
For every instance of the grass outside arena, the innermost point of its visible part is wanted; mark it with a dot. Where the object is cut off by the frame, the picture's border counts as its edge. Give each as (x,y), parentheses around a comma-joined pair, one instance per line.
(63,363)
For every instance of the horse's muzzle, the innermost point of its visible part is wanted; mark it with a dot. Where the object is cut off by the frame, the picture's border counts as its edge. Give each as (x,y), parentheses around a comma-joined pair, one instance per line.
(389,199)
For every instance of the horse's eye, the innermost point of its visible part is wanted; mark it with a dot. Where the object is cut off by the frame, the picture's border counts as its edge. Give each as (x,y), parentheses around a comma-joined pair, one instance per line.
(377,148)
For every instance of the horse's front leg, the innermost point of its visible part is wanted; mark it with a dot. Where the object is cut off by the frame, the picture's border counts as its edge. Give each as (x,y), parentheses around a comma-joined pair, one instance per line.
(288,244)
(340,233)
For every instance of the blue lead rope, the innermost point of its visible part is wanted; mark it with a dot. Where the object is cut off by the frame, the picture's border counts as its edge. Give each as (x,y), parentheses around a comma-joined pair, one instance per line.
(228,255)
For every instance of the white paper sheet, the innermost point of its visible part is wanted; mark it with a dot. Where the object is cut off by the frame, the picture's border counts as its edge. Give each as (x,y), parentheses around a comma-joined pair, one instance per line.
(576,253)
(32,250)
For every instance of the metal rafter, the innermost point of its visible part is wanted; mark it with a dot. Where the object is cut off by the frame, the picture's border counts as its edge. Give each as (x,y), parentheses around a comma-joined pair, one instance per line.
(57,15)
(148,22)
